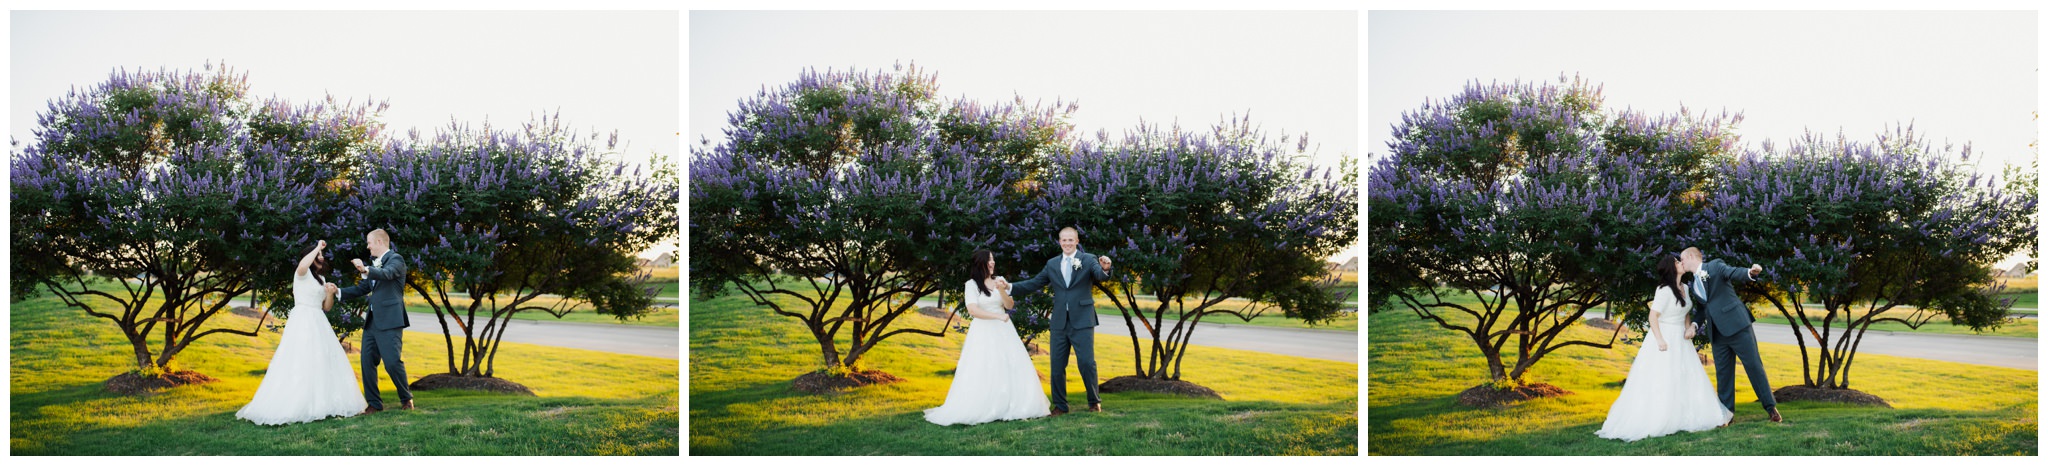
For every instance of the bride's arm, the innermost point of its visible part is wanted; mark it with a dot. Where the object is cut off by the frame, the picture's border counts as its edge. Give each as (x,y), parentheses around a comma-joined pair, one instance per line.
(974,309)
(1008,303)
(306,263)
(328,304)
(1656,310)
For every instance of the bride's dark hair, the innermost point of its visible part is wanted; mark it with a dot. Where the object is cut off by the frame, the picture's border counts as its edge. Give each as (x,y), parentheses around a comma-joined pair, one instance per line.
(319,269)
(1667,274)
(977,268)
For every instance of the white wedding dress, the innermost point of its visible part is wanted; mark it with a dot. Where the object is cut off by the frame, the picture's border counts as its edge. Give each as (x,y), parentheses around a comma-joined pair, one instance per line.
(995,379)
(309,377)
(1667,391)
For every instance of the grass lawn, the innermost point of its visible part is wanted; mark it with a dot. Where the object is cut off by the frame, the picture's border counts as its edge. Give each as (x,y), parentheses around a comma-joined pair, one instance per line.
(741,402)
(589,403)
(1941,408)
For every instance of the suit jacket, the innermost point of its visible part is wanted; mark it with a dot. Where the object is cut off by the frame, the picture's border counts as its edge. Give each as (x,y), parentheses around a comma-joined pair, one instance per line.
(1720,303)
(1073,304)
(386,289)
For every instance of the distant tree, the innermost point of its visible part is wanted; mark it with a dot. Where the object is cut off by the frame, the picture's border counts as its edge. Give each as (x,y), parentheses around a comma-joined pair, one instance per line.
(842,199)
(1537,204)
(1896,230)
(1224,222)
(540,218)
(152,199)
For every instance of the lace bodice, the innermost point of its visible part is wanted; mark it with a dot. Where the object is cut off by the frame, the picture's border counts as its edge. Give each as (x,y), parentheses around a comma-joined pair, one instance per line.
(307,292)
(992,302)
(1670,311)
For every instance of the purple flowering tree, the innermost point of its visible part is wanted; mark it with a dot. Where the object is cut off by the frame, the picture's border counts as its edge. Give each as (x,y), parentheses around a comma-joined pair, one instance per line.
(1200,224)
(1854,233)
(497,222)
(1507,211)
(153,198)
(842,199)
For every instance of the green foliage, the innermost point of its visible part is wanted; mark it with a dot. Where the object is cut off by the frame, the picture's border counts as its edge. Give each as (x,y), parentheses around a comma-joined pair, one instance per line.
(160,182)
(862,193)
(1537,202)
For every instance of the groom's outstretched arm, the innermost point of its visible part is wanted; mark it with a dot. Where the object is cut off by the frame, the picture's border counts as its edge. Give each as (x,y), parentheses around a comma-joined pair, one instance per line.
(1095,269)
(393,269)
(1034,284)
(361,289)
(1733,273)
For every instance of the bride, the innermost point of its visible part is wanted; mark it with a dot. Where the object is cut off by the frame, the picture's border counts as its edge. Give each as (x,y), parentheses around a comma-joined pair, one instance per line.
(1667,390)
(995,379)
(309,377)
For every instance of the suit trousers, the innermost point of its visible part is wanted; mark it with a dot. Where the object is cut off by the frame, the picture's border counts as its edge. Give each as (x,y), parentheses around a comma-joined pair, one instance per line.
(1741,345)
(381,346)
(1081,341)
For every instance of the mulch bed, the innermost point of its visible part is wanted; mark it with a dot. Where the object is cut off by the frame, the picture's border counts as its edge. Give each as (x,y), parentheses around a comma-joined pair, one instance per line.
(245,311)
(934,312)
(1132,383)
(822,383)
(130,383)
(1485,396)
(1831,395)
(482,384)
(1600,323)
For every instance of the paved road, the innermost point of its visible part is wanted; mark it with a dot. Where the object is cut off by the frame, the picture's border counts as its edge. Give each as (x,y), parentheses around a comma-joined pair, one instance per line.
(2017,353)
(1335,345)
(660,342)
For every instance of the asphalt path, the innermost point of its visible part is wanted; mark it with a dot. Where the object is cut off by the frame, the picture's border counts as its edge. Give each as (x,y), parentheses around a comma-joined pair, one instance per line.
(1334,345)
(2013,352)
(660,342)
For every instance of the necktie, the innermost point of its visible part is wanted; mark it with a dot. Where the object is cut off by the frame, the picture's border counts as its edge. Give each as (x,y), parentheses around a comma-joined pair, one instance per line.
(1067,269)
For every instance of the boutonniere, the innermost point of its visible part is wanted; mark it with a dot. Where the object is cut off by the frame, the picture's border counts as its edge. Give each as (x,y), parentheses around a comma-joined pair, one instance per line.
(1077,263)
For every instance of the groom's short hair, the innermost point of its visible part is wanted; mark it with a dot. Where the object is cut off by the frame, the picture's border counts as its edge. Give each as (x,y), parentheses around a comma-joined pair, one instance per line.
(1690,252)
(1077,232)
(379,235)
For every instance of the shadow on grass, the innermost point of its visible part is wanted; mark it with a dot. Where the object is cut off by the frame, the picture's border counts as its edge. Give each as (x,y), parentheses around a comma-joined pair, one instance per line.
(452,422)
(1811,428)
(1131,424)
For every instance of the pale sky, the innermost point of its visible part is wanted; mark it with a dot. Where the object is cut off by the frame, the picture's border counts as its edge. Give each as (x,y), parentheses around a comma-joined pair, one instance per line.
(602,71)
(1293,72)
(1955,76)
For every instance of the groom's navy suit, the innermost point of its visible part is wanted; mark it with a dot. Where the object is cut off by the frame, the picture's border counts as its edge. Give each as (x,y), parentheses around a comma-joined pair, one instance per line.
(1726,321)
(383,334)
(1073,318)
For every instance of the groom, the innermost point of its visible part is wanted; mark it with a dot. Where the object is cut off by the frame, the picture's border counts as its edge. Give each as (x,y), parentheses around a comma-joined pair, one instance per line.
(384,282)
(1726,320)
(1072,276)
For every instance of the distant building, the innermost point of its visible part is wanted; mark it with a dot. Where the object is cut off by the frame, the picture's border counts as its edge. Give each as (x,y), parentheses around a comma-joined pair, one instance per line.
(2017,270)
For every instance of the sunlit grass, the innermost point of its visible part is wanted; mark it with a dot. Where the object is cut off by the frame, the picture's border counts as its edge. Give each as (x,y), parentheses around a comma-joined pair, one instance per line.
(1941,408)
(588,403)
(742,360)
